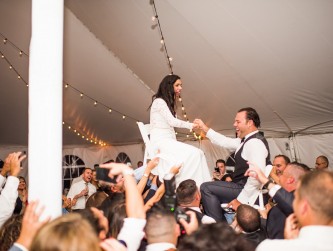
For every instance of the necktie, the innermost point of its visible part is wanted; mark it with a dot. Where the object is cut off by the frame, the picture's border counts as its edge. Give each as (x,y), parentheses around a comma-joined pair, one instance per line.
(86,196)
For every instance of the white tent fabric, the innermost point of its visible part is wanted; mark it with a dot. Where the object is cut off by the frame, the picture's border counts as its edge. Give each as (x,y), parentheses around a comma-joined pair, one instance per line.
(275,56)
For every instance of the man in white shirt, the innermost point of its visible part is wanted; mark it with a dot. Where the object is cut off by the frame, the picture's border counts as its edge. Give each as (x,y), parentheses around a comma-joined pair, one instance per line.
(311,225)
(188,197)
(162,230)
(9,194)
(250,146)
(80,191)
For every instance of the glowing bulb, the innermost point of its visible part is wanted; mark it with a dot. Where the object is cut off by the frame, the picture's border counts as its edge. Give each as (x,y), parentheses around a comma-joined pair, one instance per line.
(176,133)
(2,56)
(95,103)
(184,115)
(153,18)
(69,127)
(187,136)
(66,85)
(183,108)
(110,110)
(82,136)
(20,53)
(81,95)
(180,99)
(19,77)
(63,122)
(87,139)
(10,67)
(95,143)
(170,58)
(27,85)
(78,134)
(124,116)
(162,41)
(75,130)
(5,40)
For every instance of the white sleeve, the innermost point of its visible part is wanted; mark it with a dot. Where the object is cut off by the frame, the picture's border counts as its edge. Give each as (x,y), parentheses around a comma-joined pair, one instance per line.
(161,106)
(8,198)
(132,233)
(223,141)
(255,152)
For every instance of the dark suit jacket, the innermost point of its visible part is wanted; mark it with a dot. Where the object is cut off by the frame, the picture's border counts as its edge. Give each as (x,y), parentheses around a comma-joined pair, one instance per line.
(277,215)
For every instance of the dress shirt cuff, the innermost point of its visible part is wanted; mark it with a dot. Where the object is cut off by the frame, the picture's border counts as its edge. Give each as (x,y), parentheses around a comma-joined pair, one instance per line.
(273,190)
(153,187)
(210,133)
(132,232)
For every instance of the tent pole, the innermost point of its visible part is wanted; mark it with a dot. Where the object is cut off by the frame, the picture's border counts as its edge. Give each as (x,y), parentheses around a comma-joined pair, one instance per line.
(45,105)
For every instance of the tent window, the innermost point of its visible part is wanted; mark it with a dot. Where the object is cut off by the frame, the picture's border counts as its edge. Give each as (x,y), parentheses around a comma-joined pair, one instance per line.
(72,167)
(123,158)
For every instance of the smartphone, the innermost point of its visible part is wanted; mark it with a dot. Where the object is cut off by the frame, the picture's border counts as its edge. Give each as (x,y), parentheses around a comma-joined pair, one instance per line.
(103,174)
(217,169)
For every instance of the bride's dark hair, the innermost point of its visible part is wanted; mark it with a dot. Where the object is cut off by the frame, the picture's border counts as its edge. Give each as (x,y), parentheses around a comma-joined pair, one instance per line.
(166,92)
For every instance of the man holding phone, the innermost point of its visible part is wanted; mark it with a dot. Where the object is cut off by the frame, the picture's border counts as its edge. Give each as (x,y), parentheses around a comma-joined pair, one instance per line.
(80,191)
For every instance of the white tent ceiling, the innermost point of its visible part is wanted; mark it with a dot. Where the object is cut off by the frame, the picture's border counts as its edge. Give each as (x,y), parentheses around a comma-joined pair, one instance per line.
(276,56)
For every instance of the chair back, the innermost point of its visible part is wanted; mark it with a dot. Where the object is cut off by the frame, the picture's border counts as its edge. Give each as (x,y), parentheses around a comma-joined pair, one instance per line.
(145,132)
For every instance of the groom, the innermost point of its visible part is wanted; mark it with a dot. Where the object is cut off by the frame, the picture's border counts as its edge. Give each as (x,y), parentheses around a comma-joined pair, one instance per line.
(249,146)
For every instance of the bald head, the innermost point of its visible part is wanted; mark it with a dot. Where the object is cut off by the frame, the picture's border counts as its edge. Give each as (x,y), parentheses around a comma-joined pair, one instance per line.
(321,162)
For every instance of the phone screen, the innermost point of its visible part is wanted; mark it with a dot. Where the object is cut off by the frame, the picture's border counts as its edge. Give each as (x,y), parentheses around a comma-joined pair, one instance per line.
(103,174)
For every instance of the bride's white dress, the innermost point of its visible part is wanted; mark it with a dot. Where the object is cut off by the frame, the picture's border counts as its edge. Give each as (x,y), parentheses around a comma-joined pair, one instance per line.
(162,137)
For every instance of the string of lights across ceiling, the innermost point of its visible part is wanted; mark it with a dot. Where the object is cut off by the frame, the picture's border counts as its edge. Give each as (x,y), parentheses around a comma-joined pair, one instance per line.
(76,131)
(156,19)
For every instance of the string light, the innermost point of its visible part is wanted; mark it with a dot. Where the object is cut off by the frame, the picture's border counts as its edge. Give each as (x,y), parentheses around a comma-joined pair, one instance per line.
(68,86)
(156,18)
(169,59)
(84,136)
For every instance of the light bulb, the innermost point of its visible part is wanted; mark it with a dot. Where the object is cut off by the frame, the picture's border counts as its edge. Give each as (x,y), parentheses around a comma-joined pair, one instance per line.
(20,53)
(66,85)
(69,127)
(170,58)
(81,95)
(95,103)
(19,77)
(162,41)
(5,40)
(183,108)
(110,110)
(124,116)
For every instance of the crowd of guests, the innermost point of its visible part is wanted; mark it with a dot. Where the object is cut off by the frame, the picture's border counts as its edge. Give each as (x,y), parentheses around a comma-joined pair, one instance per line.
(261,205)
(131,215)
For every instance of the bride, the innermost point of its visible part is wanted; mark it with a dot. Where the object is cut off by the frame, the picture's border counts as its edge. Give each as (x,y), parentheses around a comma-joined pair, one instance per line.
(162,136)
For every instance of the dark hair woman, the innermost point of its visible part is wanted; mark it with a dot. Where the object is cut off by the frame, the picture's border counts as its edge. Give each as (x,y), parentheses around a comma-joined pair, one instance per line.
(162,135)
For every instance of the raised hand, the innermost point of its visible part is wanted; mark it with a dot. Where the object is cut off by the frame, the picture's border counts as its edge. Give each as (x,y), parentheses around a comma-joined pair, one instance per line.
(291,228)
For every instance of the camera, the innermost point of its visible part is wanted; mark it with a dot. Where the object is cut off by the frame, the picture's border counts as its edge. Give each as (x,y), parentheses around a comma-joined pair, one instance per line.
(170,200)
(216,169)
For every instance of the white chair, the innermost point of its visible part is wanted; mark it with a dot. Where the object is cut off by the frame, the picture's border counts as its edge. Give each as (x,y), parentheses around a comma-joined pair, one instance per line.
(145,131)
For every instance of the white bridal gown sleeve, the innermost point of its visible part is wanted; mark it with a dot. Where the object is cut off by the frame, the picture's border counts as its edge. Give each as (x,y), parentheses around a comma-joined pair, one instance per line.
(162,136)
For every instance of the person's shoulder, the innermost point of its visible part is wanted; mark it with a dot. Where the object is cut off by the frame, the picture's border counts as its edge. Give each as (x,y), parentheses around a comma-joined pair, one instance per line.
(158,101)
(278,244)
